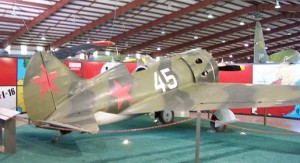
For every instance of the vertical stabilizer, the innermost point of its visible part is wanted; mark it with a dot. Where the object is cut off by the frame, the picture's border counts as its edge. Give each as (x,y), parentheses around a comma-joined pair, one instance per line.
(47,83)
(260,53)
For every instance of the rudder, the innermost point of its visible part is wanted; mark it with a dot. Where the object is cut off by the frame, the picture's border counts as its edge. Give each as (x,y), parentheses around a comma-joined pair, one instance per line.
(47,83)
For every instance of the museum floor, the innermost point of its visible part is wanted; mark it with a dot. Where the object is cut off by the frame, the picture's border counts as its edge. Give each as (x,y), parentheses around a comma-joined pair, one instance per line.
(242,142)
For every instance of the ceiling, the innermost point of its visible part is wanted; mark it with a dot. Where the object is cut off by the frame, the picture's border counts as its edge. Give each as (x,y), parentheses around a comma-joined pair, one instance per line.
(143,26)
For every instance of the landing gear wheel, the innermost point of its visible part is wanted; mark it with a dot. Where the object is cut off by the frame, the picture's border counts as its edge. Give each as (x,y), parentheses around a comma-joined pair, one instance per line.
(55,139)
(212,124)
(165,117)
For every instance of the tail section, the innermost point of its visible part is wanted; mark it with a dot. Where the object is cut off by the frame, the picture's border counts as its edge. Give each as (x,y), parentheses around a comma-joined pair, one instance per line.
(47,82)
(260,53)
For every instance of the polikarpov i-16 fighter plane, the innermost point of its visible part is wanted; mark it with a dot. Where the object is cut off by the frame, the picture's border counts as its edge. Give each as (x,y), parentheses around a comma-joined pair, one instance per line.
(57,98)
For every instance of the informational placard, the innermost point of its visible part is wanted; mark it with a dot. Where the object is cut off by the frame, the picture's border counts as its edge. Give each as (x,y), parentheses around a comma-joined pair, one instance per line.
(75,66)
(8,71)
(6,114)
(8,97)
(278,74)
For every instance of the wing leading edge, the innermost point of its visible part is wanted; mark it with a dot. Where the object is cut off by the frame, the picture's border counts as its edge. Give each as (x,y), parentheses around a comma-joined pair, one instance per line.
(208,96)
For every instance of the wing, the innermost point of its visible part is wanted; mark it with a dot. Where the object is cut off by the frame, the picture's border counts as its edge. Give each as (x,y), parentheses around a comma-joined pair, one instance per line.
(208,96)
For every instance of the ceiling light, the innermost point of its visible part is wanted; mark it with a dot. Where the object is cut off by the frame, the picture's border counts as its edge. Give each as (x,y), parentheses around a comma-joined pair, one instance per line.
(246,44)
(196,37)
(268,28)
(157,59)
(43,37)
(170,5)
(223,41)
(74,18)
(289,32)
(210,16)
(230,56)
(163,32)
(248,57)
(13,11)
(242,22)
(277,4)
(158,49)
(88,41)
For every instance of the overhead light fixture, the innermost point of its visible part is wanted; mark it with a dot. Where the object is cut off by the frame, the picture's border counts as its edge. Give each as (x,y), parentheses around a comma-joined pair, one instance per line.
(88,41)
(157,59)
(210,15)
(230,56)
(163,32)
(277,4)
(196,37)
(242,22)
(158,49)
(43,37)
(248,57)
(170,5)
(13,11)
(223,41)
(246,44)
(289,32)
(74,18)
(268,28)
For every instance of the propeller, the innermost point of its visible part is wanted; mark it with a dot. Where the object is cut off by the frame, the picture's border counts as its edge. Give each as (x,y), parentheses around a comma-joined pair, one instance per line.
(225,67)
(231,68)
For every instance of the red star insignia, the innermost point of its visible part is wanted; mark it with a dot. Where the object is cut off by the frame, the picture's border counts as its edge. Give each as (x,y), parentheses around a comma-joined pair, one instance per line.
(45,81)
(121,93)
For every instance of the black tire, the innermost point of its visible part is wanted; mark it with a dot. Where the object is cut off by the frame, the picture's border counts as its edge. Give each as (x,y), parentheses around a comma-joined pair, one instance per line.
(165,117)
(54,139)
(212,124)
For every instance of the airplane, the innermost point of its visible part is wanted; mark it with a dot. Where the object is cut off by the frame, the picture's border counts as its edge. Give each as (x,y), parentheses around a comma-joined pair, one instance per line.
(260,53)
(87,48)
(58,99)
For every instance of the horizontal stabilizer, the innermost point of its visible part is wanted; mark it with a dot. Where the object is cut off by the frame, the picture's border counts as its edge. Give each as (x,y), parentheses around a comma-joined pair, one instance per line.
(56,125)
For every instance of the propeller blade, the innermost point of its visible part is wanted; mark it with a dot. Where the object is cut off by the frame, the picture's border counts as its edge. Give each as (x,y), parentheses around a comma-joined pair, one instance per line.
(232,68)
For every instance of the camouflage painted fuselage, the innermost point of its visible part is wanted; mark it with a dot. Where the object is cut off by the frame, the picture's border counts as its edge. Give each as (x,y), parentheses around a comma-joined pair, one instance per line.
(57,97)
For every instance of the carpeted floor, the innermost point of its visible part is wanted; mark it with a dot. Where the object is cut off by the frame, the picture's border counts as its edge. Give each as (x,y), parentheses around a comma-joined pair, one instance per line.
(170,144)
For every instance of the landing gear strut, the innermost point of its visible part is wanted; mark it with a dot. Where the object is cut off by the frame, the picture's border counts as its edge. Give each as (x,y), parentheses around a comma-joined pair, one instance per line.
(55,139)
(213,126)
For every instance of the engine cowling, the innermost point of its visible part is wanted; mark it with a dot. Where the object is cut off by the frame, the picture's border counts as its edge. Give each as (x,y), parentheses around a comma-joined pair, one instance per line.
(202,65)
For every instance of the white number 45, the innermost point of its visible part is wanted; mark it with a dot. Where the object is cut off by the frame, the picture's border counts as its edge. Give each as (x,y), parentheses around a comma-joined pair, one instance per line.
(170,79)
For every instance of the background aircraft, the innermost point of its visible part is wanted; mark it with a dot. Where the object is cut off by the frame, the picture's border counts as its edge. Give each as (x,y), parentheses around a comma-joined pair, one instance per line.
(260,53)
(58,99)
(83,48)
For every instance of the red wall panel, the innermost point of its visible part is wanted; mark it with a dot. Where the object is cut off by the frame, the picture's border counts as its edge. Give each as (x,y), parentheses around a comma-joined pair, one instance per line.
(8,72)
(244,76)
(91,69)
